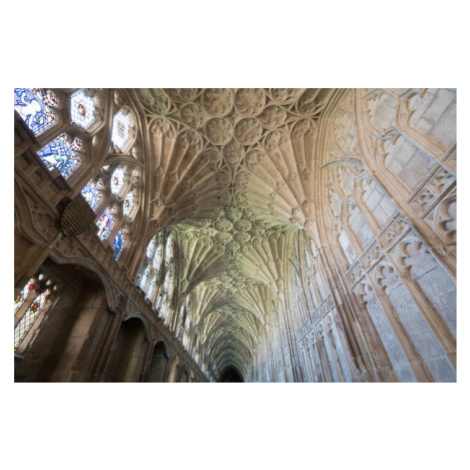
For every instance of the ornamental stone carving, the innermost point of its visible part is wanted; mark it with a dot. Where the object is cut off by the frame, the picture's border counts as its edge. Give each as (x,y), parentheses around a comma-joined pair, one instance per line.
(233,214)
(193,115)
(275,139)
(273,116)
(250,101)
(182,95)
(253,158)
(304,127)
(233,152)
(445,221)
(248,131)
(219,131)
(285,95)
(212,158)
(217,101)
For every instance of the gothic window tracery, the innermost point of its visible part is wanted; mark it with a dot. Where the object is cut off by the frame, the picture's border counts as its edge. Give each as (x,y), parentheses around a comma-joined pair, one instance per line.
(157,273)
(152,265)
(60,128)
(111,188)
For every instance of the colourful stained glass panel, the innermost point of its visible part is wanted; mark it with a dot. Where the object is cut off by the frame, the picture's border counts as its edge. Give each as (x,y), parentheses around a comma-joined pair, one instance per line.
(82,109)
(144,278)
(117,180)
(114,209)
(128,203)
(34,107)
(117,244)
(25,293)
(62,153)
(92,193)
(151,247)
(37,307)
(105,224)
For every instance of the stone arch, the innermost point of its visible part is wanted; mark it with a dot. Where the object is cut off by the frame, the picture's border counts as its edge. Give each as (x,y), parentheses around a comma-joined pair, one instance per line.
(112,293)
(159,362)
(230,374)
(127,357)
(62,346)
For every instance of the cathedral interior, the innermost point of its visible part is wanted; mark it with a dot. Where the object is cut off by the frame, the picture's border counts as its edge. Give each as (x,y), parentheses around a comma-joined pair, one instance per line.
(235,235)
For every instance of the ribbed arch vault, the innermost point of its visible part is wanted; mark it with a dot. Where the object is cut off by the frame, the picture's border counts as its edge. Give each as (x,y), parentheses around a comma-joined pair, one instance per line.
(232,175)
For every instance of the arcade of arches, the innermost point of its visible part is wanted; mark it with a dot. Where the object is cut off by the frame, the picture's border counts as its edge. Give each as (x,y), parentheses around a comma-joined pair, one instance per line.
(235,235)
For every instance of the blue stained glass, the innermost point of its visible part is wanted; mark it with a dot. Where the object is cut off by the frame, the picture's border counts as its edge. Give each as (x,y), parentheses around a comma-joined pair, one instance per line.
(92,194)
(62,153)
(34,107)
(105,224)
(117,244)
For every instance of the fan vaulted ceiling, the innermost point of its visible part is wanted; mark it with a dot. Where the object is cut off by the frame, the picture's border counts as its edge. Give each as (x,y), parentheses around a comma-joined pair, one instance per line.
(233,178)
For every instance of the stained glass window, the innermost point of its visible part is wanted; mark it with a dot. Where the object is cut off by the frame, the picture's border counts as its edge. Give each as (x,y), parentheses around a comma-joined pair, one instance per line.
(117,180)
(82,109)
(169,284)
(128,203)
(159,301)
(164,307)
(144,278)
(117,244)
(151,288)
(62,153)
(92,192)
(105,224)
(30,317)
(114,209)
(25,293)
(170,245)
(35,107)
(151,247)
(157,260)
(121,127)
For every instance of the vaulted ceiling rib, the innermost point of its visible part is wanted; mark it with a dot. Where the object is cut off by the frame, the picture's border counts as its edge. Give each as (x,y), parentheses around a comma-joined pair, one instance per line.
(233,178)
